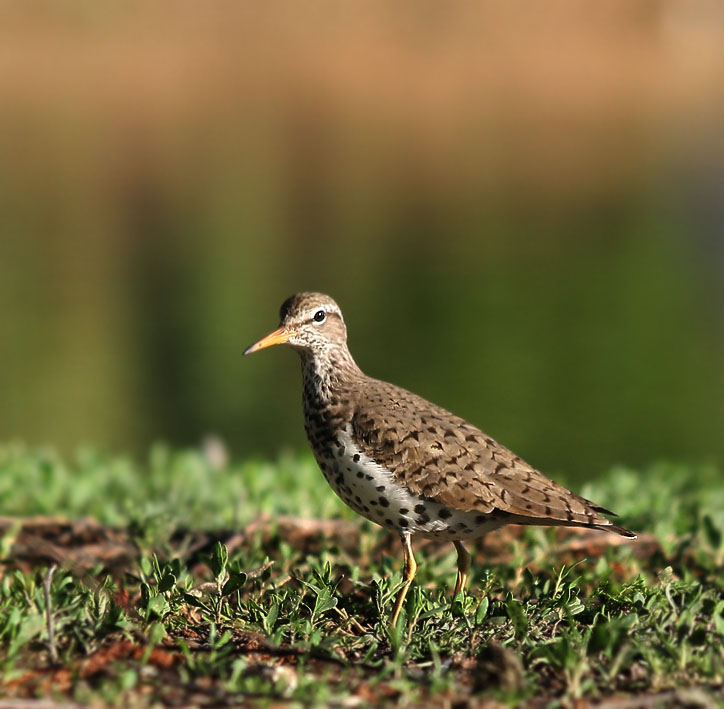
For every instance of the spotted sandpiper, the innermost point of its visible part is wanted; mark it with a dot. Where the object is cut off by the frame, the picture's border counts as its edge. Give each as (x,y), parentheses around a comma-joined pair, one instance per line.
(405,463)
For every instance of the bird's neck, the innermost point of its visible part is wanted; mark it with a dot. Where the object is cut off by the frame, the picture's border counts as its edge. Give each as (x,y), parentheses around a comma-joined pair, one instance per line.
(328,374)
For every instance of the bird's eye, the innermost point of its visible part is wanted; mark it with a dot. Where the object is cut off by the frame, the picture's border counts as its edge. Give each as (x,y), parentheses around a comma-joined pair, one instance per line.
(320,316)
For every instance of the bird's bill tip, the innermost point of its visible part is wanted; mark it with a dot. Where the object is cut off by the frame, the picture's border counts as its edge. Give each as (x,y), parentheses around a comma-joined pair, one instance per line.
(278,337)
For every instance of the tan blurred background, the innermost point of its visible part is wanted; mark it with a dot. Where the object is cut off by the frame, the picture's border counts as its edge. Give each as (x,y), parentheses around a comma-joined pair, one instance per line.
(518,205)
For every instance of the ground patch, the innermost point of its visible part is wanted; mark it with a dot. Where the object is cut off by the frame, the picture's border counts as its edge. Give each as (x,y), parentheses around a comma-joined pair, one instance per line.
(176,593)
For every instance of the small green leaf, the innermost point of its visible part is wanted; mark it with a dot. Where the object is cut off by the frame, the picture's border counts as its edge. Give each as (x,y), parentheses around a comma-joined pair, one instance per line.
(127,679)
(146,566)
(482,610)
(219,560)
(718,619)
(324,602)
(175,566)
(166,583)
(156,633)
(193,601)
(145,594)
(156,566)
(235,582)
(517,616)
(271,617)
(156,606)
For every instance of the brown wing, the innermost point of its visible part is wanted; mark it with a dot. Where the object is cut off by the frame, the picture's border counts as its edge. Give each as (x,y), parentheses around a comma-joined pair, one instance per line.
(443,457)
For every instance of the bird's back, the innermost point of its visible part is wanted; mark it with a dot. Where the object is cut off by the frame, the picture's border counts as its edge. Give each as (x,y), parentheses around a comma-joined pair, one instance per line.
(446,459)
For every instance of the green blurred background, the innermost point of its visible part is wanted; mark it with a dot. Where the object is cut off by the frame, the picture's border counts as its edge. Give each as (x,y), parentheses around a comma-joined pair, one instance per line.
(519,207)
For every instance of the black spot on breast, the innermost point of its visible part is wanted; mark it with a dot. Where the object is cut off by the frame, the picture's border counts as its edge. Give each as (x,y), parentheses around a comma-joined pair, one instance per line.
(380,488)
(420,509)
(444,513)
(384,502)
(404,510)
(403,522)
(355,457)
(360,474)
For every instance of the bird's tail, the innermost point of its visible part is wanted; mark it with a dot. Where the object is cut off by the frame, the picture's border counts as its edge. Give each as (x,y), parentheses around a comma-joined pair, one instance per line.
(616,529)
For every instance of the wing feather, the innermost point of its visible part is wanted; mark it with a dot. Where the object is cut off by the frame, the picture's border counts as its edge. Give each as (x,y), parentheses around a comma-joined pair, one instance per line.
(444,458)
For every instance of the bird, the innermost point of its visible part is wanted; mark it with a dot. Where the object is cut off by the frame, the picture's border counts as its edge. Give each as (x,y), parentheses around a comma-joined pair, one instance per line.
(405,463)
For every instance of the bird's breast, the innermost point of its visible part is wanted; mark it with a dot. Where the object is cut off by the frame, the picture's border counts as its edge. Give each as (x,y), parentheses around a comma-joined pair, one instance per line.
(375,493)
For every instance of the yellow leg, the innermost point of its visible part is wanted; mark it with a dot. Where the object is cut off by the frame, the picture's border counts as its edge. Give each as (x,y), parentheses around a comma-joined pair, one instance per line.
(463,567)
(408,576)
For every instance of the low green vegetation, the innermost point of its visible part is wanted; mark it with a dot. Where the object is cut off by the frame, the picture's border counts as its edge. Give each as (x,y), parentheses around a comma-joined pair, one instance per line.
(251,583)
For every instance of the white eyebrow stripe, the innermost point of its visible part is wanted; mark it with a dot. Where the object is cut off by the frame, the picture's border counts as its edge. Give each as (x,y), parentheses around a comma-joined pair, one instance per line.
(328,309)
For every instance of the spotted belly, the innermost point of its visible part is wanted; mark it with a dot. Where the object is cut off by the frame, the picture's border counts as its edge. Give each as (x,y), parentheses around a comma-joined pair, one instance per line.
(372,491)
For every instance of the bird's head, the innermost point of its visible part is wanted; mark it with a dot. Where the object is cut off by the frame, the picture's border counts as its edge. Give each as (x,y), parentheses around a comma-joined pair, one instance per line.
(310,322)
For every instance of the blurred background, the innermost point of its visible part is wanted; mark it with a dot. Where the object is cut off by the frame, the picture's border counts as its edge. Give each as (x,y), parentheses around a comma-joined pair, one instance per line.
(519,207)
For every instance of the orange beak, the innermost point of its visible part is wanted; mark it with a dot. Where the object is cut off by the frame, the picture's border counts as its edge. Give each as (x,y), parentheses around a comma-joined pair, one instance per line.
(278,337)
